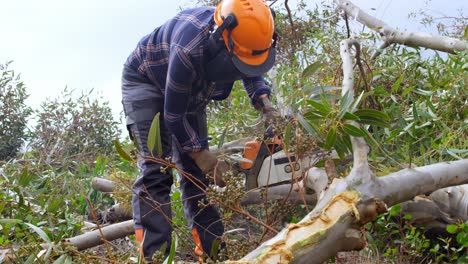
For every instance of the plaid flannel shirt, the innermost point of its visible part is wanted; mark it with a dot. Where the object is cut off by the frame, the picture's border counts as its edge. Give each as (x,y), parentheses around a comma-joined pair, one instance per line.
(171,58)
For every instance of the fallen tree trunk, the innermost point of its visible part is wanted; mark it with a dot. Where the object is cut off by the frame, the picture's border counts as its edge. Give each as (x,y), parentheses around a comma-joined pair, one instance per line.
(334,224)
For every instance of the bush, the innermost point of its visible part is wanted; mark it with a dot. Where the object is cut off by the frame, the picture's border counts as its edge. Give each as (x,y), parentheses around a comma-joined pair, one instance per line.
(74,129)
(14,112)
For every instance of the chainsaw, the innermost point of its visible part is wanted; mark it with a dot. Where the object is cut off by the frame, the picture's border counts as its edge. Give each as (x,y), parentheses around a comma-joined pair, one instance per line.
(266,163)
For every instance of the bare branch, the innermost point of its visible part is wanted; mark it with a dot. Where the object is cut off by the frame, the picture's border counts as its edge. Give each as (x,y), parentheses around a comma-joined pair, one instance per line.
(391,35)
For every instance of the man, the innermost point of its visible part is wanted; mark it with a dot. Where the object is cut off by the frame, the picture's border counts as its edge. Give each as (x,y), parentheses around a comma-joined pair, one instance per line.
(191,59)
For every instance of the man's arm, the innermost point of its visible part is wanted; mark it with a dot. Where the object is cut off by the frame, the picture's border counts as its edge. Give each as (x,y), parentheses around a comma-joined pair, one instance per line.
(259,94)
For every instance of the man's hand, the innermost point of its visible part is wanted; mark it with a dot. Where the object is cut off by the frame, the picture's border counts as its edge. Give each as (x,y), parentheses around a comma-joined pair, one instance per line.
(270,114)
(209,164)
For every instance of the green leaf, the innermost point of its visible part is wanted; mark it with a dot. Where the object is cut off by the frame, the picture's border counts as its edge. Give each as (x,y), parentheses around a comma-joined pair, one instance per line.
(321,108)
(341,147)
(465,35)
(121,151)
(223,137)
(395,210)
(320,89)
(154,136)
(353,131)
(415,112)
(371,113)
(313,115)
(462,239)
(407,217)
(31,259)
(40,232)
(306,125)
(423,92)
(331,138)
(357,102)
(372,121)
(311,69)
(61,259)
(4,221)
(349,116)
(287,136)
(345,103)
(172,252)
(451,153)
(396,85)
(452,229)
(54,205)
(25,177)
(408,90)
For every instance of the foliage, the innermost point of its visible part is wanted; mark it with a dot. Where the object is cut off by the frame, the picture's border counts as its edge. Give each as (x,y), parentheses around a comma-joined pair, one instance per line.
(394,235)
(75,129)
(454,26)
(14,112)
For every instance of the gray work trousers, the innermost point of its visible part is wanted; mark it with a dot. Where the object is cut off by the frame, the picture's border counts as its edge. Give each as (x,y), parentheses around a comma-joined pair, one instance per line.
(151,191)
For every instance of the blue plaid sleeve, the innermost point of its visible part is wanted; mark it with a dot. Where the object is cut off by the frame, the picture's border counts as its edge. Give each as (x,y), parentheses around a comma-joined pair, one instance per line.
(255,87)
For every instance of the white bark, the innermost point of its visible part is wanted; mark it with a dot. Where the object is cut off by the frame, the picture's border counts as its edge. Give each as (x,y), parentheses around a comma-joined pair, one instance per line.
(97,237)
(453,201)
(406,184)
(103,185)
(391,35)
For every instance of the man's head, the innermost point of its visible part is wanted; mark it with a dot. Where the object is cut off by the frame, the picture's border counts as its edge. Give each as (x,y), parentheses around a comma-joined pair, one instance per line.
(247,35)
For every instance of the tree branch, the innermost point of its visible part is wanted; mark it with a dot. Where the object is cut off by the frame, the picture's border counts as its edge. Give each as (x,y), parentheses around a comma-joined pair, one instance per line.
(391,35)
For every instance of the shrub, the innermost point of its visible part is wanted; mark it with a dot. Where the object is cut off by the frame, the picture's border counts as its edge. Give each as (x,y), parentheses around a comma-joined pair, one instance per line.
(14,112)
(74,129)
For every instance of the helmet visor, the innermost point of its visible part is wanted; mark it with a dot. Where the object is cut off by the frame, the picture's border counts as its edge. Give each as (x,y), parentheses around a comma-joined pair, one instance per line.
(249,69)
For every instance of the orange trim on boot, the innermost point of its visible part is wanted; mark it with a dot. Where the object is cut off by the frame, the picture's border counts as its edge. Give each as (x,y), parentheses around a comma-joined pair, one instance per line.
(198,247)
(139,238)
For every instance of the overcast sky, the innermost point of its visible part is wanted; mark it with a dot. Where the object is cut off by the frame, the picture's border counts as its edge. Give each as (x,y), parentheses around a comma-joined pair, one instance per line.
(83,44)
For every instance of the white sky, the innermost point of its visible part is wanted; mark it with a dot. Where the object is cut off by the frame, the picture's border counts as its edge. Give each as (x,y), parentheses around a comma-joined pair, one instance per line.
(83,44)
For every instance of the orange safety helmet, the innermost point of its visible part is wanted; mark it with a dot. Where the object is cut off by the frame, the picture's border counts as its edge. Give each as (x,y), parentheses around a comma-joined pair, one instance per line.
(250,35)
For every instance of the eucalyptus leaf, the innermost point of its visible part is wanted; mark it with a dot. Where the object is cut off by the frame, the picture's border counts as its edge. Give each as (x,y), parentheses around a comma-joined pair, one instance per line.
(154,136)
(311,69)
(306,125)
(349,116)
(331,138)
(40,232)
(345,103)
(371,113)
(397,84)
(353,131)
(320,89)
(321,108)
(223,137)
(121,151)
